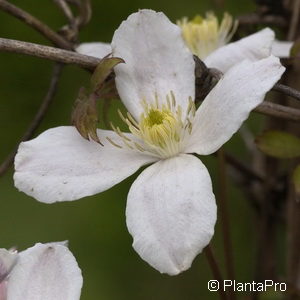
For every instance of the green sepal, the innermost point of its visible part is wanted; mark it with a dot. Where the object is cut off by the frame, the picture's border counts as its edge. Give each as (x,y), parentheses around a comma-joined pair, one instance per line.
(102,71)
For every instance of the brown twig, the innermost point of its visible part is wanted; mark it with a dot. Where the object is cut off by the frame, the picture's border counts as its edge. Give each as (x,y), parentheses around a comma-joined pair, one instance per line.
(241,167)
(278,111)
(215,270)
(35,23)
(287,91)
(85,13)
(71,30)
(57,69)
(51,53)
(64,7)
(223,205)
(255,19)
(294,21)
(292,205)
(90,63)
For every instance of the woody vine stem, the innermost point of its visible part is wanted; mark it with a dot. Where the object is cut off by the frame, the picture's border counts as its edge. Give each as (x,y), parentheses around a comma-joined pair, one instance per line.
(63,53)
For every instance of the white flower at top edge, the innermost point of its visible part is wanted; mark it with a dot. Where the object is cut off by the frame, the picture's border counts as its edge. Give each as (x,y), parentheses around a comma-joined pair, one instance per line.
(210,41)
(204,35)
(171,210)
(44,271)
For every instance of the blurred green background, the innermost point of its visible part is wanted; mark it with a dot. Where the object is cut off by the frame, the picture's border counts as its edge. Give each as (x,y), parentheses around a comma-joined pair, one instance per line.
(95,226)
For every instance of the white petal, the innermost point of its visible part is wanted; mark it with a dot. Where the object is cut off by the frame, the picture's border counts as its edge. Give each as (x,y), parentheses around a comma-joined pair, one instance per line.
(156,61)
(98,50)
(3,295)
(8,260)
(223,111)
(252,47)
(60,165)
(45,272)
(282,48)
(171,213)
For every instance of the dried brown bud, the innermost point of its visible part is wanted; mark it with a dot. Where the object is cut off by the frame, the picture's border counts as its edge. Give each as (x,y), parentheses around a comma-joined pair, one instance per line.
(85,114)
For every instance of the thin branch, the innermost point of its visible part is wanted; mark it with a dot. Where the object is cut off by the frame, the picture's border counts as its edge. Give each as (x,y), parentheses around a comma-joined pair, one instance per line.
(51,53)
(287,91)
(57,69)
(35,23)
(244,169)
(85,13)
(244,176)
(294,21)
(90,63)
(65,9)
(255,19)
(278,111)
(215,270)
(71,30)
(223,203)
(74,2)
(248,138)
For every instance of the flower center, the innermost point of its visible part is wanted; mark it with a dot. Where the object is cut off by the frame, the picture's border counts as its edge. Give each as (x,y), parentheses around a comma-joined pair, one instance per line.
(204,35)
(162,129)
(156,117)
(159,127)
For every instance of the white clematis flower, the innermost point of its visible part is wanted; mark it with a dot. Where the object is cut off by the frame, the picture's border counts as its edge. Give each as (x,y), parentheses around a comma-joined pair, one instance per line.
(171,210)
(205,35)
(42,272)
(209,40)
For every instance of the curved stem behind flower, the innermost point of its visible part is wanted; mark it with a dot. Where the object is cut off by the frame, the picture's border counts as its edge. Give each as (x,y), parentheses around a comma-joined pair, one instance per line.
(215,270)
(223,204)
(294,21)
(287,91)
(33,22)
(57,69)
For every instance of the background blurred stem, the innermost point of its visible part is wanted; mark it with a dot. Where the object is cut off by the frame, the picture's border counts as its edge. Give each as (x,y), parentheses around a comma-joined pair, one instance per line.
(223,208)
(36,24)
(278,111)
(72,30)
(287,91)
(266,226)
(294,20)
(293,206)
(215,271)
(90,63)
(36,121)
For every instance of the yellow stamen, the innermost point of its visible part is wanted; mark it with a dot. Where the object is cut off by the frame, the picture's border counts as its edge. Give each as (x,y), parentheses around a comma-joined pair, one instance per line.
(161,131)
(204,35)
(113,143)
(158,126)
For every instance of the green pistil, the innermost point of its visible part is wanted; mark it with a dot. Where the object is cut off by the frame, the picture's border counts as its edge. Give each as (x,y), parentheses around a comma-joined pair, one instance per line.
(197,19)
(155,117)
